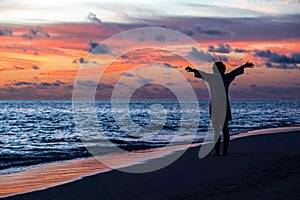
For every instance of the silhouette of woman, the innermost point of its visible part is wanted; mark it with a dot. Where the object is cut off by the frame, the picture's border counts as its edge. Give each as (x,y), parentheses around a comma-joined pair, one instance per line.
(219,70)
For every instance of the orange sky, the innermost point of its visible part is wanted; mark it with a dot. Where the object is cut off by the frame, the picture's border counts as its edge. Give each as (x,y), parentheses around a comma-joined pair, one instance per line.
(44,65)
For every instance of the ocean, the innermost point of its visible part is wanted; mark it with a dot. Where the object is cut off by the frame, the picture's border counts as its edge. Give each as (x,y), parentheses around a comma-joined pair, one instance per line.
(42,131)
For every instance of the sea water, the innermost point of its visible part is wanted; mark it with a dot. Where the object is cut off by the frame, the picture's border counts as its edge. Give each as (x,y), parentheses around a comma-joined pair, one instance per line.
(41,131)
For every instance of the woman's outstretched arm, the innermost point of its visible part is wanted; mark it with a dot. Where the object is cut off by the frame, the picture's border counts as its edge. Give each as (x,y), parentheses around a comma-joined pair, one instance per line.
(197,73)
(240,70)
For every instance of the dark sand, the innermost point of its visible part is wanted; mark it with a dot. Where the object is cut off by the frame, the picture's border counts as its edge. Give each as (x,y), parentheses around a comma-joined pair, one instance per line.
(257,167)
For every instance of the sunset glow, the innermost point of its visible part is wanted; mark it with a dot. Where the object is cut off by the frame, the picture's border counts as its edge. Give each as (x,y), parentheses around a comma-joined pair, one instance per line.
(41,51)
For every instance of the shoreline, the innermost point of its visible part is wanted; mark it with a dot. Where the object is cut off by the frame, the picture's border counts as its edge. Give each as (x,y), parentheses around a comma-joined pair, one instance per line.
(92,168)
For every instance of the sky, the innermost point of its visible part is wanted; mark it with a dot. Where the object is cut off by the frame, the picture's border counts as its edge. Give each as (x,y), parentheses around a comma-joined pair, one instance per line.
(45,46)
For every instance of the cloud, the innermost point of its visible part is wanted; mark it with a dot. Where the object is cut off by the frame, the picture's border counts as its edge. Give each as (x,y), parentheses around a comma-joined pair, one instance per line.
(128,74)
(221,58)
(97,48)
(92,17)
(278,58)
(83,61)
(279,61)
(31,90)
(124,56)
(58,83)
(41,85)
(17,67)
(214,31)
(86,84)
(297,83)
(103,86)
(45,84)
(143,80)
(238,50)
(282,65)
(35,67)
(160,38)
(275,91)
(223,48)
(69,87)
(167,65)
(188,31)
(6,32)
(22,83)
(200,55)
(170,84)
(198,28)
(92,85)
(36,33)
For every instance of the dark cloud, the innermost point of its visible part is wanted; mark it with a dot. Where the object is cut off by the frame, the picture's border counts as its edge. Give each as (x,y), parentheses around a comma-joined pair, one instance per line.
(41,85)
(22,83)
(34,91)
(160,38)
(278,58)
(58,83)
(198,28)
(97,48)
(36,33)
(200,55)
(17,67)
(282,65)
(144,80)
(92,17)
(238,50)
(170,84)
(167,65)
(6,32)
(92,85)
(46,84)
(103,86)
(69,87)
(128,74)
(223,48)
(260,28)
(35,67)
(214,31)
(83,61)
(124,56)
(297,83)
(265,92)
(86,84)
(279,61)
(188,31)
(276,91)
(221,58)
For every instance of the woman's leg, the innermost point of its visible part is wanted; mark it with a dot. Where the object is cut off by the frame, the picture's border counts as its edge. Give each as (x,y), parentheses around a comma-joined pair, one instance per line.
(217,138)
(226,136)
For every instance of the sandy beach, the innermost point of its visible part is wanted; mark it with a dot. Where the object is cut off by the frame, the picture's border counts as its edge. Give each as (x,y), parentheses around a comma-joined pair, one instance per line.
(262,166)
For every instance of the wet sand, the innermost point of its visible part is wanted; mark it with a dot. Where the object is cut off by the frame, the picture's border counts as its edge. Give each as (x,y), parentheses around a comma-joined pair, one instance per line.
(262,166)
